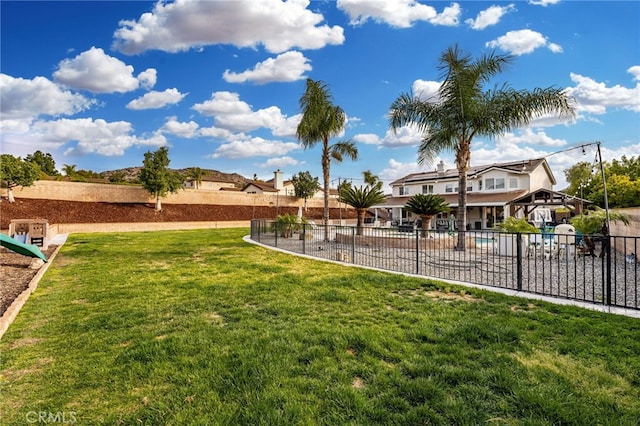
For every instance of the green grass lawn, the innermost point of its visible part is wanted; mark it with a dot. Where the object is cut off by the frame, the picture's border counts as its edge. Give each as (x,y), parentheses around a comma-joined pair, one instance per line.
(198,327)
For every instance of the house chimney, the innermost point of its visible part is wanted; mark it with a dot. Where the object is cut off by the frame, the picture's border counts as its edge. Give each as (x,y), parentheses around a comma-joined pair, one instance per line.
(278,181)
(441,167)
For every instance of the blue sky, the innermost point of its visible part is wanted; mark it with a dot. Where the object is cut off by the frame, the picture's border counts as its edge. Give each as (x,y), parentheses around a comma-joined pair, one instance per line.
(97,84)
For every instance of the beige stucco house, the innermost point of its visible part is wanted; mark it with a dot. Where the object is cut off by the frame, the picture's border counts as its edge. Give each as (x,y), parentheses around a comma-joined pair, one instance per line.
(490,190)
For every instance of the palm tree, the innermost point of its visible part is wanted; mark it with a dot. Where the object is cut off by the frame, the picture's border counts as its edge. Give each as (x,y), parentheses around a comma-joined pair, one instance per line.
(195,173)
(464,110)
(361,198)
(321,120)
(69,170)
(426,206)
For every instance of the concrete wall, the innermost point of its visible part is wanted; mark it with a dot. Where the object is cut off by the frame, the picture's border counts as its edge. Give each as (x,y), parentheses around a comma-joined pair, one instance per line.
(96,192)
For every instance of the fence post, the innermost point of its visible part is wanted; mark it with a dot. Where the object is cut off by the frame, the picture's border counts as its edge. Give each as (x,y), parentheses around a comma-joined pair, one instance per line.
(304,239)
(417,252)
(275,227)
(607,240)
(353,245)
(519,261)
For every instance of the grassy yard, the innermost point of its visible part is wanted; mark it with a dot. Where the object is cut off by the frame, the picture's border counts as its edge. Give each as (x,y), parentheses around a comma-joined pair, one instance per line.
(201,328)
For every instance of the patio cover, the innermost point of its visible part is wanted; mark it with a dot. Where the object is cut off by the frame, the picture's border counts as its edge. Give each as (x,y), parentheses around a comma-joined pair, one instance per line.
(546,197)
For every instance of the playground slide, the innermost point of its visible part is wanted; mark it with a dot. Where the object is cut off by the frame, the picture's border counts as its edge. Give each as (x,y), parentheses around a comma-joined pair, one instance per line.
(21,248)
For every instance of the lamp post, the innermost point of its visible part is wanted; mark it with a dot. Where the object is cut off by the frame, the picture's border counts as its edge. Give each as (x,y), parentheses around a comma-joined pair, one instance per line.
(604,181)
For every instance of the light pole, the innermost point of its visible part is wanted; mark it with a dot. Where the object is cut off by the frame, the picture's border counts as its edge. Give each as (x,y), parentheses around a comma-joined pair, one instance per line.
(604,181)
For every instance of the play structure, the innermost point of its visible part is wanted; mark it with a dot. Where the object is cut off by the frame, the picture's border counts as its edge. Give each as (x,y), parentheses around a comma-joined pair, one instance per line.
(20,247)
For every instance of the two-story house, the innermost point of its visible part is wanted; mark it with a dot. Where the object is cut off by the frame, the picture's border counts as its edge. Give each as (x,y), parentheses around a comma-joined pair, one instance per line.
(490,190)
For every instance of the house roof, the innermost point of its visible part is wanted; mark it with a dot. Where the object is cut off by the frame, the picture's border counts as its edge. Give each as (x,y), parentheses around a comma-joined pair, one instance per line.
(548,197)
(520,167)
(473,199)
(263,186)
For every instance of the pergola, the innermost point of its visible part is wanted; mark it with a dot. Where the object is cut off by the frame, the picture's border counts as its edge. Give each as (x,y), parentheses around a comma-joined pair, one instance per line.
(545,198)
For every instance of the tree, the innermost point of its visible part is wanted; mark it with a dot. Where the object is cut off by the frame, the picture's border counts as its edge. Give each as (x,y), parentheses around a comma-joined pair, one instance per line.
(623,182)
(426,206)
(44,161)
(361,198)
(156,176)
(16,172)
(305,186)
(196,174)
(69,170)
(321,121)
(463,110)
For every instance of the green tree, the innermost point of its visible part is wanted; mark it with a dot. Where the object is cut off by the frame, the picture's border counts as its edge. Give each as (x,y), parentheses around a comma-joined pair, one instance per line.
(321,121)
(69,170)
(117,177)
(464,109)
(622,191)
(361,198)
(196,174)
(426,206)
(44,161)
(305,186)
(156,177)
(16,172)
(592,221)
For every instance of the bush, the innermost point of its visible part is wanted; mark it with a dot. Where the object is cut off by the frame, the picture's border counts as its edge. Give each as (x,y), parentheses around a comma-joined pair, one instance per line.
(514,226)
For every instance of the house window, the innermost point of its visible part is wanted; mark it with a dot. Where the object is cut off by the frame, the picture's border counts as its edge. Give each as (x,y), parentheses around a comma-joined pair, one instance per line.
(500,183)
(404,190)
(450,188)
(480,185)
(490,184)
(427,189)
(469,186)
(513,182)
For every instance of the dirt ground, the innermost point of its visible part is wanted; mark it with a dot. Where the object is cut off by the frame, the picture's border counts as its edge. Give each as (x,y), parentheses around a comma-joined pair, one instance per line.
(15,274)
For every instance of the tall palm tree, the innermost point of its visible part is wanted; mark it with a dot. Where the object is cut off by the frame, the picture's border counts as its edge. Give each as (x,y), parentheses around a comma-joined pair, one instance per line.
(321,120)
(464,110)
(426,206)
(196,174)
(361,198)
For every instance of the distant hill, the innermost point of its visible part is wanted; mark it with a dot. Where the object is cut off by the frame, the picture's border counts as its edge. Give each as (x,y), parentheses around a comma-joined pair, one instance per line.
(131,174)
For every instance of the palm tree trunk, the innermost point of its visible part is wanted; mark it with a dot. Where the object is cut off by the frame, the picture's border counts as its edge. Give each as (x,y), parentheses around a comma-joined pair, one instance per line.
(361,213)
(425,225)
(463,156)
(325,174)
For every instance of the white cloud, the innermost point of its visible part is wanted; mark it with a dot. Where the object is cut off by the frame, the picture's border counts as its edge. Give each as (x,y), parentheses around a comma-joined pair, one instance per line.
(521,42)
(184,24)
(635,71)
(397,169)
(23,100)
(543,3)
(254,147)
(184,130)
(404,136)
(155,100)
(426,90)
(148,78)
(489,16)
(528,136)
(97,72)
(594,97)
(229,112)
(398,13)
(289,66)
(93,136)
(368,139)
(280,162)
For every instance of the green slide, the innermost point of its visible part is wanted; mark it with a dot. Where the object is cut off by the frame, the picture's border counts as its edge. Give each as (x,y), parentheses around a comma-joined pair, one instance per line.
(21,248)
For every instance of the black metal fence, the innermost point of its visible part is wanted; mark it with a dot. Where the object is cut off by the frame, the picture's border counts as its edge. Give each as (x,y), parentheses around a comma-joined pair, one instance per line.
(590,268)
